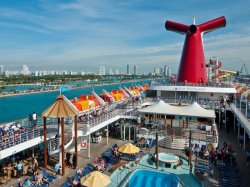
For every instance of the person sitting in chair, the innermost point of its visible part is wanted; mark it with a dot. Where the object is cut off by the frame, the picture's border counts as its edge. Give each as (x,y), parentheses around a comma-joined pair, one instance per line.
(57,168)
(116,153)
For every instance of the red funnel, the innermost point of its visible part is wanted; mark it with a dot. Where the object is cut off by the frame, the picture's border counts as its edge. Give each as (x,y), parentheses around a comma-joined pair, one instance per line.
(192,65)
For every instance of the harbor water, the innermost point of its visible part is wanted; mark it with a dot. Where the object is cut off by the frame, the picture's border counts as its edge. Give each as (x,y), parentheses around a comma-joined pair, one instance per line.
(20,106)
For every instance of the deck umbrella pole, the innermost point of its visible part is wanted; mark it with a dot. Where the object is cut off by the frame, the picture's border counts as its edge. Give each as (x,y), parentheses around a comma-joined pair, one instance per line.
(63,151)
(76,142)
(45,143)
(89,146)
(107,134)
(59,133)
(157,151)
(171,121)
(190,152)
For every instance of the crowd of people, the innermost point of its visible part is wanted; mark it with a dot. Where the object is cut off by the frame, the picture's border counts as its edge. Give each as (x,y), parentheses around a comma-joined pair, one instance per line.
(217,156)
(11,132)
(19,169)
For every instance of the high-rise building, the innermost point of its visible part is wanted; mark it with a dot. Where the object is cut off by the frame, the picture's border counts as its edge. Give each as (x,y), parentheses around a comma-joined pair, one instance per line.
(25,70)
(156,71)
(169,73)
(128,69)
(117,72)
(136,72)
(111,71)
(102,70)
(167,70)
(1,70)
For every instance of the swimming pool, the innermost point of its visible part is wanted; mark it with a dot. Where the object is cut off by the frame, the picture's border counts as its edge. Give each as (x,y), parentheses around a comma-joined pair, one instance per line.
(151,178)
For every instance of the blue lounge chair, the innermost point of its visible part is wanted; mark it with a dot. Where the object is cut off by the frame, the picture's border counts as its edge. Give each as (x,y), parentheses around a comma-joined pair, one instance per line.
(50,178)
(65,184)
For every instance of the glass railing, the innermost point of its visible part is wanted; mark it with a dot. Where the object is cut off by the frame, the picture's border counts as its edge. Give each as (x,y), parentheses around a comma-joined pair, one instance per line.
(219,85)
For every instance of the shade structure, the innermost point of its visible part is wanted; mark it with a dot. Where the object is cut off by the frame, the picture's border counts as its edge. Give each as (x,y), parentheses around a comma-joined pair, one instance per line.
(95,179)
(163,108)
(129,149)
(60,108)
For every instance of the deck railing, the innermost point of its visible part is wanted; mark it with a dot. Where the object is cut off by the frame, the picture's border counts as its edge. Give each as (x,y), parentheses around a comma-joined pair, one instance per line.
(55,143)
(29,132)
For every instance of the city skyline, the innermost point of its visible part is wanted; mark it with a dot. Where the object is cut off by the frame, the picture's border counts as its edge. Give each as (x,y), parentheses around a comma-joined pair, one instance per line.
(86,34)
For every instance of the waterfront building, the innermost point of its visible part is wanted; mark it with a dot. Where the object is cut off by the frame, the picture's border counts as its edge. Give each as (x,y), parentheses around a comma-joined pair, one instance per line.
(102,70)
(165,70)
(128,69)
(136,71)
(156,71)
(117,72)
(111,72)
(1,70)
(25,70)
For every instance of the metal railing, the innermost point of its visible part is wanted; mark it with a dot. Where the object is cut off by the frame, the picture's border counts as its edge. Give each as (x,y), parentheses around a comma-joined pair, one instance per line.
(30,133)
(209,84)
(55,143)
(26,133)
(17,138)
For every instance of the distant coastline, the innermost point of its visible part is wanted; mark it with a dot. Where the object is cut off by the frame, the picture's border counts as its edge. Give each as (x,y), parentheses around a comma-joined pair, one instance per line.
(58,90)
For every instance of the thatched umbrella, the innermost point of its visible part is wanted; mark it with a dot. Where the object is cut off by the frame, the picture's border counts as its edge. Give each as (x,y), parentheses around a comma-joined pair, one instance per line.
(60,109)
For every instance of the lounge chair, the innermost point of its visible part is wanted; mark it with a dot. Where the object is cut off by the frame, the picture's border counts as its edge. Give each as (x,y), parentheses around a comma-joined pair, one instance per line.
(50,178)
(65,184)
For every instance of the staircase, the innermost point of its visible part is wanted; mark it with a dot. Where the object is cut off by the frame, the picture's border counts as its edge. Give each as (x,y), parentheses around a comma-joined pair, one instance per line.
(176,143)
(54,143)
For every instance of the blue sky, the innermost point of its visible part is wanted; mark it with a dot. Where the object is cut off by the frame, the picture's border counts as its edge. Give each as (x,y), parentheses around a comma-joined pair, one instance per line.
(81,35)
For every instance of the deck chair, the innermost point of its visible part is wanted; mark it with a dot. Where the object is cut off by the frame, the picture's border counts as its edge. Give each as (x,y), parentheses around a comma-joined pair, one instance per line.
(65,184)
(25,170)
(50,178)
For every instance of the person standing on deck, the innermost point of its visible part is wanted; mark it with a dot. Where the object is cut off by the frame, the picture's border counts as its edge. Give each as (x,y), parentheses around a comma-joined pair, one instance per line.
(34,118)
(30,118)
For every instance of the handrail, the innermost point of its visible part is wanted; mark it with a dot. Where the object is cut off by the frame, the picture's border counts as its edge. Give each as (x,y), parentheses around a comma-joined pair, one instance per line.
(25,134)
(17,138)
(218,85)
(241,117)
(54,144)
(11,140)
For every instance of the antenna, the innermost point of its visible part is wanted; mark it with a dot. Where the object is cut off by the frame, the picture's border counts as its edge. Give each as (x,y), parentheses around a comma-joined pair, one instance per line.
(194,21)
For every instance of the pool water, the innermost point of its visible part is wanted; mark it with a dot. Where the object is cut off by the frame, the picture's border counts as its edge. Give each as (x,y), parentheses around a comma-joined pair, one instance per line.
(150,178)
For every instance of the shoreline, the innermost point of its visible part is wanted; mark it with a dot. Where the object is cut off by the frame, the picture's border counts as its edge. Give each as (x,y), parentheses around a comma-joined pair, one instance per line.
(74,88)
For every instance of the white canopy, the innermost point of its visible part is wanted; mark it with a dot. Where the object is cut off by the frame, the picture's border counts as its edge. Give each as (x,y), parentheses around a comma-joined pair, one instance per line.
(194,110)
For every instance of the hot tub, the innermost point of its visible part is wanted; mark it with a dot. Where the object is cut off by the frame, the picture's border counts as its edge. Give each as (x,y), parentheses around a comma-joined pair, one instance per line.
(166,159)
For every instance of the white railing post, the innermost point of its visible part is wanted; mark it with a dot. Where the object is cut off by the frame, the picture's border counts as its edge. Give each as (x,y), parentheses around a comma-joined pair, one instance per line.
(27,135)
(244,138)
(246,106)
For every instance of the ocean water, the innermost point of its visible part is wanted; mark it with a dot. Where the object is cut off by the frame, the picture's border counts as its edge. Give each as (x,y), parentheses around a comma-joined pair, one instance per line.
(18,107)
